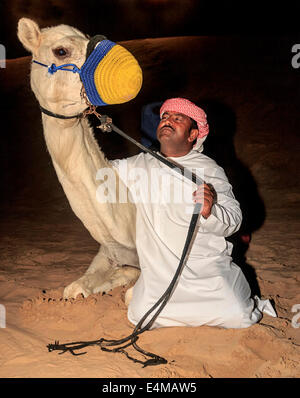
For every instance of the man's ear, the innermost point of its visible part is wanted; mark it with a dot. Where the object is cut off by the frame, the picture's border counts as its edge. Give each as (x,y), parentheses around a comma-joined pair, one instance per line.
(193,135)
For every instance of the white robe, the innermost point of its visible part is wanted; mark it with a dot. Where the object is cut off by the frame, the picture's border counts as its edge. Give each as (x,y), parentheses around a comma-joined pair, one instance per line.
(211,290)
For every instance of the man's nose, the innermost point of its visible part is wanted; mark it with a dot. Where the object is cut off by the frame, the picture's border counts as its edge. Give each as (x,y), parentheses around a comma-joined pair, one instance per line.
(167,122)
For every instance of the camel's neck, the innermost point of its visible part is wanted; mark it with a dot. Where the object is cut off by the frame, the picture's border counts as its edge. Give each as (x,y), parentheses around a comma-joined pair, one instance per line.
(77,160)
(72,147)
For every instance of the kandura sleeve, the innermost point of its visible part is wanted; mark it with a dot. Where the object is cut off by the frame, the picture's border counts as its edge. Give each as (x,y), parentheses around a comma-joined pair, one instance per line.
(124,166)
(226,216)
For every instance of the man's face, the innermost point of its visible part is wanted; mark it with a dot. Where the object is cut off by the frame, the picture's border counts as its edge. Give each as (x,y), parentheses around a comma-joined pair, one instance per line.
(175,129)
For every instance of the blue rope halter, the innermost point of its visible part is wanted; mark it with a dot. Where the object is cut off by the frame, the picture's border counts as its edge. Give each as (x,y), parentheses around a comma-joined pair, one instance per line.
(53,68)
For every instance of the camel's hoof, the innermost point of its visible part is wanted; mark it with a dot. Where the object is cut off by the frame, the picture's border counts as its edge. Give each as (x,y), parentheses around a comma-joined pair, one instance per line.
(74,289)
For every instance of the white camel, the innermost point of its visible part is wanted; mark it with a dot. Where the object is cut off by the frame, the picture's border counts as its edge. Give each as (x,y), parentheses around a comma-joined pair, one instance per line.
(77,158)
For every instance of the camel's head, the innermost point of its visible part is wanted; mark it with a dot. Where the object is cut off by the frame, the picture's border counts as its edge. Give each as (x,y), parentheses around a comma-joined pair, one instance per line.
(60,92)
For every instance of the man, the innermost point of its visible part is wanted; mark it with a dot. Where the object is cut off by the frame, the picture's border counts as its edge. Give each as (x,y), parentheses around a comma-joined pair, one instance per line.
(211,290)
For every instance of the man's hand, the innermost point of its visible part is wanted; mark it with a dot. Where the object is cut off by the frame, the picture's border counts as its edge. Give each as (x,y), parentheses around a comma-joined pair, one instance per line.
(205,195)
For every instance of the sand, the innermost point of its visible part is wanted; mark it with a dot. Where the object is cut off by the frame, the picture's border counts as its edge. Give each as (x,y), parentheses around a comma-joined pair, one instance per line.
(34,271)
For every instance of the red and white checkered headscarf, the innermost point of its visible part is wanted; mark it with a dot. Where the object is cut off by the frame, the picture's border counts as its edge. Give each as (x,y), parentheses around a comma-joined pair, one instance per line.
(188,108)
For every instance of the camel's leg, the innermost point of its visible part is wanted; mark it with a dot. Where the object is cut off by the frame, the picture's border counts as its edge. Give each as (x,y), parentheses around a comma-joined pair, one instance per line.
(102,275)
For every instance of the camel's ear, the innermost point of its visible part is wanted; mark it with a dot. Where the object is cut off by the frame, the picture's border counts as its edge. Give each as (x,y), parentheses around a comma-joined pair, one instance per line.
(29,34)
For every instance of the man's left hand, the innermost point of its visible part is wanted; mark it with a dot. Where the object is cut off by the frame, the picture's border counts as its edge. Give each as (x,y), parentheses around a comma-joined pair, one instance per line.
(204,195)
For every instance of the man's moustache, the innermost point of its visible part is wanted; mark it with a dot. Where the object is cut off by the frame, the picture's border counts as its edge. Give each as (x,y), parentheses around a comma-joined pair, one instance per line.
(169,127)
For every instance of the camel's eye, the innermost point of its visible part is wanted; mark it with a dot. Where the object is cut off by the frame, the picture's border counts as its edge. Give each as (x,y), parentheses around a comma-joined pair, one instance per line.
(61,52)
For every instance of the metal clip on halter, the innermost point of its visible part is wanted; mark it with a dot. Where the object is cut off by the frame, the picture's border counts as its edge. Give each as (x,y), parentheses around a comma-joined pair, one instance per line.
(105,125)
(105,121)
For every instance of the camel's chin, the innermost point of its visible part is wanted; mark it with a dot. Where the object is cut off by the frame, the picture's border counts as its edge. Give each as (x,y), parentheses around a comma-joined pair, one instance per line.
(66,109)
(67,106)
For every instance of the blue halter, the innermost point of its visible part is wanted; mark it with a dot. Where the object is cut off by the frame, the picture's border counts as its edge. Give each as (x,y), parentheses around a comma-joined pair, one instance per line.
(53,68)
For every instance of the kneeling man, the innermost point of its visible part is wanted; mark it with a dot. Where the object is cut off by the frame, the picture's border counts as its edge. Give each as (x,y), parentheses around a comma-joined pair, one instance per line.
(211,290)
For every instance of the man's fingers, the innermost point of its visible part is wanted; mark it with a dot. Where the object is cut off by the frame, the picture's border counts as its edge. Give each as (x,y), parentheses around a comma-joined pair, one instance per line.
(203,198)
(202,188)
(203,193)
(206,194)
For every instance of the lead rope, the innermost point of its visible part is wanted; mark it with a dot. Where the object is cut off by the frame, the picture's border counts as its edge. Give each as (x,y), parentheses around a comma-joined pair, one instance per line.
(132,338)
(121,344)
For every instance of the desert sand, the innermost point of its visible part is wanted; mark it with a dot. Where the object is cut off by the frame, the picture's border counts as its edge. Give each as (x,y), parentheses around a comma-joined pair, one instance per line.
(34,272)
(44,247)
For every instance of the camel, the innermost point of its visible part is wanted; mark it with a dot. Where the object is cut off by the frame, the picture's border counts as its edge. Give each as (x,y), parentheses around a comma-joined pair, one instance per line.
(77,158)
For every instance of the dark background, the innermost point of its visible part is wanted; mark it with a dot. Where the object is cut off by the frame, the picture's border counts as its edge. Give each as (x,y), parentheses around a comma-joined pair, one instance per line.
(136,19)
